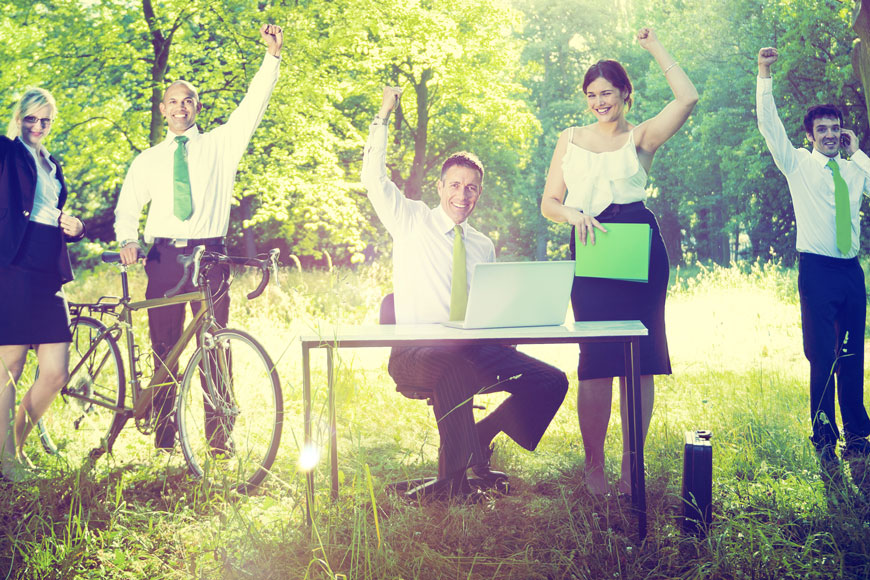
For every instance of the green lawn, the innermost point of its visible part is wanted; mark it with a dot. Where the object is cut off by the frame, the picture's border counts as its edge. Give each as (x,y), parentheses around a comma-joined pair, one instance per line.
(738,370)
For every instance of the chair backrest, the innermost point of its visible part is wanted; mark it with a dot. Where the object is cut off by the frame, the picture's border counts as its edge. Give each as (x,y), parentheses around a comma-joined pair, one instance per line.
(388,310)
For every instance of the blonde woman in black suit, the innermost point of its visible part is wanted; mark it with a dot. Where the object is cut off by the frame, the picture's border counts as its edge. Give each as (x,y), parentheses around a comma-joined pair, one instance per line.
(34,265)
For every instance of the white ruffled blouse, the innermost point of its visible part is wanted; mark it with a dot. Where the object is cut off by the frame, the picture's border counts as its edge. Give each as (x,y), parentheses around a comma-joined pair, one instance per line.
(595,180)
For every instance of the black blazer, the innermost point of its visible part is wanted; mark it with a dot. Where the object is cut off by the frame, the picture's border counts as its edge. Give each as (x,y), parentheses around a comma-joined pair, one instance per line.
(17,192)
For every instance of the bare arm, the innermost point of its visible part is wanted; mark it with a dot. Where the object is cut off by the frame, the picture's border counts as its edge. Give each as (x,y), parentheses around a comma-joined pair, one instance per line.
(552,202)
(654,132)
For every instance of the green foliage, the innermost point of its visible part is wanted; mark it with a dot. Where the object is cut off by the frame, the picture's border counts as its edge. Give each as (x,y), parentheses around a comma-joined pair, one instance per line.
(499,78)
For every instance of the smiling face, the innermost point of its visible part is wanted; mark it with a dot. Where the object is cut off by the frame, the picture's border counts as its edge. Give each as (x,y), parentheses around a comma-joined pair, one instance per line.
(605,101)
(180,106)
(35,125)
(826,136)
(459,190)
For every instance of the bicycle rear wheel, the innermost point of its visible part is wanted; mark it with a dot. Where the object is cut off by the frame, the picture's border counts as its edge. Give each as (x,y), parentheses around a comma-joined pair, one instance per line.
(83,420)
(230,419)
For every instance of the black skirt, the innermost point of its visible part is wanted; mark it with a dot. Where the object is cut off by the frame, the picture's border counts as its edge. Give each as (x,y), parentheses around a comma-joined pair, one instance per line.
(605,299)
(33,309)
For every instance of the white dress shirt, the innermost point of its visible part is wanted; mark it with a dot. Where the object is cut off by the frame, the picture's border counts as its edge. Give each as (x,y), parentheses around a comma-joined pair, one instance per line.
(811,183)
(422,241)
(47,194)
(212,159)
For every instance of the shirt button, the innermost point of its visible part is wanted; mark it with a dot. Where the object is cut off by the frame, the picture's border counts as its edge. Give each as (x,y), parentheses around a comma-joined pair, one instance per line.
(26,213)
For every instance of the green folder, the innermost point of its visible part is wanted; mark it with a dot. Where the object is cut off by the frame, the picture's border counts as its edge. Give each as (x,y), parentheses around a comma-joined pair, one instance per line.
(620,254)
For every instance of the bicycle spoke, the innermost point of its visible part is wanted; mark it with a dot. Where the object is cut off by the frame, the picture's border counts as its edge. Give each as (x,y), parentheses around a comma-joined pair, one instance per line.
(81,421)
(229,411)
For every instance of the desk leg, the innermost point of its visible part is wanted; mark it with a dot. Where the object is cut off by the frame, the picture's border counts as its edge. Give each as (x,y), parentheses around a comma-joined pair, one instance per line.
(333,438)
(635,433)
(306,441)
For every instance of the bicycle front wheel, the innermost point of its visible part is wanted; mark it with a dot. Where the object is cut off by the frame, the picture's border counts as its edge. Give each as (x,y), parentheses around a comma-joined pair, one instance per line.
(230,411)
(84,419)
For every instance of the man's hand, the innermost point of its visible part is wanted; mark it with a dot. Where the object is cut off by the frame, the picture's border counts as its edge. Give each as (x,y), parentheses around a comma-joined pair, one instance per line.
(390,101)
(766,57)
(130,253)
(646,38)
(273,36)
(851,141)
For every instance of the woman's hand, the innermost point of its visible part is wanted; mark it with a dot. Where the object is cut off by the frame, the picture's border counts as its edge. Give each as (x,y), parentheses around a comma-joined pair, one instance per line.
(72,226)
(646,38)
(584,224)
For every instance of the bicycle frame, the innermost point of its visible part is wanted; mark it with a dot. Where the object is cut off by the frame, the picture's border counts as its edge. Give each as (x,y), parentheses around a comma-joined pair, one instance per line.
(143,397)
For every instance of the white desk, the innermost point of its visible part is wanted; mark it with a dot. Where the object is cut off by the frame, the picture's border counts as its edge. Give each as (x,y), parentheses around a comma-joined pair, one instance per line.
(626,332)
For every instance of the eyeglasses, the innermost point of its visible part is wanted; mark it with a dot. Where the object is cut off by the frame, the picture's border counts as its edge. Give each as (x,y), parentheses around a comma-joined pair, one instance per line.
(32,120)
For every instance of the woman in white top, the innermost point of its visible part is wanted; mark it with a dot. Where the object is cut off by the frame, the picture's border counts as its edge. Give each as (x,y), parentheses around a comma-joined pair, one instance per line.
(603,168)
(34,264)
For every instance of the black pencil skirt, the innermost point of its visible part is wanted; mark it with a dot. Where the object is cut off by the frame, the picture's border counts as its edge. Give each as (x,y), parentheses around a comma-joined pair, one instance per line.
(604,299)
(33,309)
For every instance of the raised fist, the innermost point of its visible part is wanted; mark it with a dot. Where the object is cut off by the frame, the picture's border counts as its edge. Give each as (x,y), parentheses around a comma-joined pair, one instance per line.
(646,37)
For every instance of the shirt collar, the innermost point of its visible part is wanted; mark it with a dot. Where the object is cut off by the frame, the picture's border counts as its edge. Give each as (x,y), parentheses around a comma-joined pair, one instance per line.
(191,133)
(445,223)
(823,159)
(42,150)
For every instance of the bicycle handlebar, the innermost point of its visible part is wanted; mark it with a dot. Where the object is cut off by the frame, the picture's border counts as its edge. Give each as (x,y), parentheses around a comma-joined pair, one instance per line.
(191,264)
(187,261)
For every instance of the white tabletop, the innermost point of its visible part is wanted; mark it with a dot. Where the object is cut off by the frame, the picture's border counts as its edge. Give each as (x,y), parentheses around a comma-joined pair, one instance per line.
(419,334)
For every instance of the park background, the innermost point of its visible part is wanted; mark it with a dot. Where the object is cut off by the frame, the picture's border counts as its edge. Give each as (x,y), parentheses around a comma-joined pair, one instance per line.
(502,79)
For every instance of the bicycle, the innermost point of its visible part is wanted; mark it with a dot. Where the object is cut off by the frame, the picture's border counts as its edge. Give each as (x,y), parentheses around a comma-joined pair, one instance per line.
(236,390)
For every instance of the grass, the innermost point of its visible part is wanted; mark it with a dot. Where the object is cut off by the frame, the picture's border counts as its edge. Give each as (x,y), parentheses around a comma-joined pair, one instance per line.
(738,370)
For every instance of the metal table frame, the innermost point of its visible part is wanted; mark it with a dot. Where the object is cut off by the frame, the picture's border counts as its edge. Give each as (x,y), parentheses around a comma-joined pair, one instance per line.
(626,332)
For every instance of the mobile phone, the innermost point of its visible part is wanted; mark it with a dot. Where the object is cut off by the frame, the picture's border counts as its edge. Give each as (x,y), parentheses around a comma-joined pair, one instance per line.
(844,141)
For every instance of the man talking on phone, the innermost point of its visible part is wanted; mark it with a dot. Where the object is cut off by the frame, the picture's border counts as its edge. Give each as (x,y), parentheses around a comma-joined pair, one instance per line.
(826,191)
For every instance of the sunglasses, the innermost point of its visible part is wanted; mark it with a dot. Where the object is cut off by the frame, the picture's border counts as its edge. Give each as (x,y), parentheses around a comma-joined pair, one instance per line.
(32,120)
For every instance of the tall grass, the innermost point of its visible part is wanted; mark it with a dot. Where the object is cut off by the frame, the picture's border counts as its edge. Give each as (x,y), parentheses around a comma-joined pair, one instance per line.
(738,370)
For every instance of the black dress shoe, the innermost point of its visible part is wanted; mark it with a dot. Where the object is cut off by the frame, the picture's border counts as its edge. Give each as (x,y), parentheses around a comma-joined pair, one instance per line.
(827,453)
(856,447)
(448,488)
(487,475)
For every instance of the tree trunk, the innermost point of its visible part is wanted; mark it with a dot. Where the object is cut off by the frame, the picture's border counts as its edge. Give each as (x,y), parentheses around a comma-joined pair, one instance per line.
(161,45)
(414,185)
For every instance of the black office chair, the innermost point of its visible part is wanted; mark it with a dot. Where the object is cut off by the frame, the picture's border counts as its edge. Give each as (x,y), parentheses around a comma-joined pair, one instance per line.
(388,316)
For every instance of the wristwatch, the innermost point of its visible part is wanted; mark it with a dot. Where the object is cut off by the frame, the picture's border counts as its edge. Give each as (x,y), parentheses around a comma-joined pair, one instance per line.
(123,243)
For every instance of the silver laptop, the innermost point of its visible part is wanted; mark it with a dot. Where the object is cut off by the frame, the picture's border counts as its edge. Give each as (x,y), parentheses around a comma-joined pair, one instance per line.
(507,294)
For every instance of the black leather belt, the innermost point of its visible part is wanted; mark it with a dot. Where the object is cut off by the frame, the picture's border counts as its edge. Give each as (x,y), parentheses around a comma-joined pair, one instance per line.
(189,243)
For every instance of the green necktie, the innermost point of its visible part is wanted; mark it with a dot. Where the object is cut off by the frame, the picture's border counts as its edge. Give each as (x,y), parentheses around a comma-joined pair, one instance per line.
(458,287)
(841,207)
(181,196)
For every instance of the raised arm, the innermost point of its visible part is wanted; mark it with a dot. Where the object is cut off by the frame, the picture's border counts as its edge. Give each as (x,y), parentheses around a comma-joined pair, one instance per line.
(389,203)
(769,123)
(654,132)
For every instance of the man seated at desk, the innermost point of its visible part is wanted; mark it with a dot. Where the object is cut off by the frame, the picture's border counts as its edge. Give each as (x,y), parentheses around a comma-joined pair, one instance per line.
(427,243)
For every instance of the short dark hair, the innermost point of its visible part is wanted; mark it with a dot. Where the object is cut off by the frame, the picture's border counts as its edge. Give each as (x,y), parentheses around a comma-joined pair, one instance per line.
(614,73)
(465,159)
(820,112)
